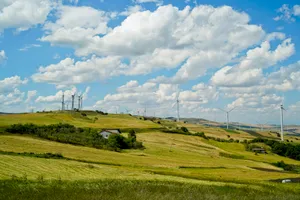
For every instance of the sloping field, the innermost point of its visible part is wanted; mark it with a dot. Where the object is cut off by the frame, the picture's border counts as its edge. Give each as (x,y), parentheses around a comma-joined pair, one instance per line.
(102,121)
(222,170)
(165,154)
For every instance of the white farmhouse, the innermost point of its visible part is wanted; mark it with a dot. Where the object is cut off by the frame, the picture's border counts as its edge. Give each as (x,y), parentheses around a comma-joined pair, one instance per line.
(106,133)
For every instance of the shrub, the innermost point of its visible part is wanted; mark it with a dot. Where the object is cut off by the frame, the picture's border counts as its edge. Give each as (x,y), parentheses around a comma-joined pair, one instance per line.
(201,134)
(231,155)
(131,133)
(184,129)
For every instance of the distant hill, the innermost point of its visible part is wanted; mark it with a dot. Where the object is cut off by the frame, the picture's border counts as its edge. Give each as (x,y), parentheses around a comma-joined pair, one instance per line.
(292,129)
(2,113)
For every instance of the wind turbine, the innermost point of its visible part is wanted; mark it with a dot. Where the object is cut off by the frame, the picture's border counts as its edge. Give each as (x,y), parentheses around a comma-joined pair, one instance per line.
(227,115)
(177,105)
(281,120)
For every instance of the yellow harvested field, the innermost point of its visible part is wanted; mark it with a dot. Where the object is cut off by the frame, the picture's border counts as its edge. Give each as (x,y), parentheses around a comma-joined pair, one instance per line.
(166,156)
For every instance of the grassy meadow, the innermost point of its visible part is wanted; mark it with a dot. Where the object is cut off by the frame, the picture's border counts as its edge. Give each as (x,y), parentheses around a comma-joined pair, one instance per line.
(103,121)
(172,166)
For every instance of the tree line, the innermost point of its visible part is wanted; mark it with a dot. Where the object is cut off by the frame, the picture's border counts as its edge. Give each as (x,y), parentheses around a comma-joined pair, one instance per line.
(281,148)
(66,133)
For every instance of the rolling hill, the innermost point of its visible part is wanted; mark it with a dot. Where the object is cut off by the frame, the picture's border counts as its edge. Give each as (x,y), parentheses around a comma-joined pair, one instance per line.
(167,158)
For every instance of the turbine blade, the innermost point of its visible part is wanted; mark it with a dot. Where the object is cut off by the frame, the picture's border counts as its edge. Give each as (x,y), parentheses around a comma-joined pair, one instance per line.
(231,109)
(222,110)
(173,105)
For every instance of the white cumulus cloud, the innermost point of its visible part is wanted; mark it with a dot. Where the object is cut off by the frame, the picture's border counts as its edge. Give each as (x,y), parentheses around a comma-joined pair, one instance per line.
(10,83)
(23,14)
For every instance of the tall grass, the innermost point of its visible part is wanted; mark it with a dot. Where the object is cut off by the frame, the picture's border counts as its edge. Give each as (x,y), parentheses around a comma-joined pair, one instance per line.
(136,190)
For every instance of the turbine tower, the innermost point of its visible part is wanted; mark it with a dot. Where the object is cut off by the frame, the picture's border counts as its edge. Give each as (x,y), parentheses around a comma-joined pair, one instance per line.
(281,120)
(79,98)
(227,115)
(81,101)
(178,116)
(63,102)
(177,106)
(73,97)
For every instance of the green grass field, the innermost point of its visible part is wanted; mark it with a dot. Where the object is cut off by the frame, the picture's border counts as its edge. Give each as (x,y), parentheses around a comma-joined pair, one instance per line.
(172,166)
(136,190)
(103,121)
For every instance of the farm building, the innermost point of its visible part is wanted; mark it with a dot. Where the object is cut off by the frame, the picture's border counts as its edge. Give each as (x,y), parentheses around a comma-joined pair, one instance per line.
(259,150)
(107,133)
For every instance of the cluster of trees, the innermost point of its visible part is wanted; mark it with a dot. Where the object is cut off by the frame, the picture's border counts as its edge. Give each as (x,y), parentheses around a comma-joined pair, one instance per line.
(117,142)
(287,167)
(280,148)
(184,131)
(101,113)
(181,130)
(67,133)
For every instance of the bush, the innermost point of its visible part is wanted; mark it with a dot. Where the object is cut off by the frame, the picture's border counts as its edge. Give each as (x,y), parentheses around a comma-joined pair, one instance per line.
(131,133)
(184,129)
(201,134)
(231,155)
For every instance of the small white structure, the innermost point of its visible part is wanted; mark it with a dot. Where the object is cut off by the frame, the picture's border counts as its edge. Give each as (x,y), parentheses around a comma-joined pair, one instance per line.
(106,133)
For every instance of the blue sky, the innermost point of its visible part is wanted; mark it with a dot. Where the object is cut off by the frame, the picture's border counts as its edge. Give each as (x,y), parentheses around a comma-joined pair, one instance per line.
(143,54)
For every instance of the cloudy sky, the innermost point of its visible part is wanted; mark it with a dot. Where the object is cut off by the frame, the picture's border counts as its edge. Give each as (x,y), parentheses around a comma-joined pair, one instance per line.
(137,55)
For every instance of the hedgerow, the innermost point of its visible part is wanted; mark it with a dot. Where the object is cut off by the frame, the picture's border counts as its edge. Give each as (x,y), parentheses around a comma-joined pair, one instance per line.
(66,133)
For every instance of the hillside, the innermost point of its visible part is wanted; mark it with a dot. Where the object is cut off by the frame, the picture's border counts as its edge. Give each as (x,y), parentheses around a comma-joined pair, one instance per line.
(77,119)
(167,157)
